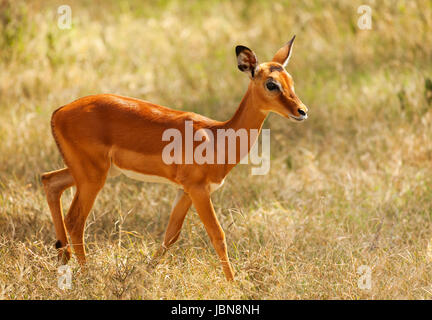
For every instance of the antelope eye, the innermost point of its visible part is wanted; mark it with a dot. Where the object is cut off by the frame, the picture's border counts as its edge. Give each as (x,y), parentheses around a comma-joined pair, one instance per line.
(272,86)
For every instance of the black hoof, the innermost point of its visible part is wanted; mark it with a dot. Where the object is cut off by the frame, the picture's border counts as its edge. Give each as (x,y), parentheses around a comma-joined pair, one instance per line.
(58,244)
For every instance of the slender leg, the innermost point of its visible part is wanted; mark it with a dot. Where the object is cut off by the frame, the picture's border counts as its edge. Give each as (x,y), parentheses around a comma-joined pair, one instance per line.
(202,202)
(75,220)
(180,208)
(55,183)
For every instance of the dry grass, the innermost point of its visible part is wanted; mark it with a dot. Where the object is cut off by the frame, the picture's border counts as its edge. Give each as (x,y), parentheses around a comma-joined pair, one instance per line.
(349,187)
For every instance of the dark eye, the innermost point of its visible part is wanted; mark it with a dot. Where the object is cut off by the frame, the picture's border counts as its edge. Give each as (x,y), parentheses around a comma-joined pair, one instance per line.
(272,86)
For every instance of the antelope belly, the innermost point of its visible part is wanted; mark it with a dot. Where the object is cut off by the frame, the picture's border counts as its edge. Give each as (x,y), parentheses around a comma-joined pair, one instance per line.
(143,177)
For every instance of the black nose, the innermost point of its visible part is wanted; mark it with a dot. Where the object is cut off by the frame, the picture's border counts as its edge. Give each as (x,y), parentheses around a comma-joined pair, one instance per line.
(301,112)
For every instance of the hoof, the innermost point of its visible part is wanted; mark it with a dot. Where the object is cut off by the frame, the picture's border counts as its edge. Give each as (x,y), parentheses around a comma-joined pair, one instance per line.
(58,244)
(157,257)
(64,253)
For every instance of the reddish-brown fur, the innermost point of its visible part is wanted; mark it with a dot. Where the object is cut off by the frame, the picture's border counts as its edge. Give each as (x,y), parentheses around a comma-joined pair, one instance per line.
(95,131)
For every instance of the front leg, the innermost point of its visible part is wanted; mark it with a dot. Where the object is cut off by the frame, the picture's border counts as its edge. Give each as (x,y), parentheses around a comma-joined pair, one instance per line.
(200,196)
(180,208)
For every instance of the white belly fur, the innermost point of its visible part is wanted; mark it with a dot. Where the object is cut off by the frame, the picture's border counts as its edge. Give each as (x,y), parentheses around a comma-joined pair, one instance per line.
(139,176)
(115,171)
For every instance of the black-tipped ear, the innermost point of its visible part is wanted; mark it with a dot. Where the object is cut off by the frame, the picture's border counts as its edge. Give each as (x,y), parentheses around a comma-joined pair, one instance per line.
(283,55)
(246,60)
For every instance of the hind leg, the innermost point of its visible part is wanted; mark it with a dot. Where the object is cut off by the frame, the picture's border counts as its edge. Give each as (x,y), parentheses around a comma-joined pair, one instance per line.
(89,181)
(54,184)
(75,220)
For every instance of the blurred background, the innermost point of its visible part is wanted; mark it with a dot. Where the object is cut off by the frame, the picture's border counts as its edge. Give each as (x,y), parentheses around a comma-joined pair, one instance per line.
(351,186)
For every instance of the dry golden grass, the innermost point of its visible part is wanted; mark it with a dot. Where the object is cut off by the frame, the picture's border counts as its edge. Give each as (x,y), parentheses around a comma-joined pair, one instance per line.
(351,186)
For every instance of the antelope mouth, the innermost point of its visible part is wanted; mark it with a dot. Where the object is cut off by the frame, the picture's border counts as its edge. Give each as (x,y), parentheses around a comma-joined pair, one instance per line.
(300,118)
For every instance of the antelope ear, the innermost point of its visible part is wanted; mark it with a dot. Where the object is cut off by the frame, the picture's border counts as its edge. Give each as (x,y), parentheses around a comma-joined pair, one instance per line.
(283,55)
(246,60)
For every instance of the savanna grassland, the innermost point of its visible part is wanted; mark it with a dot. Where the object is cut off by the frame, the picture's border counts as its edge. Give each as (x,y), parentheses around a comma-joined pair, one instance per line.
(350,186)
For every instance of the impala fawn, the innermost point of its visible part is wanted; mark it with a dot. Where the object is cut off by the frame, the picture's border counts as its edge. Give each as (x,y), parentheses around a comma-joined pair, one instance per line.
(105,135)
